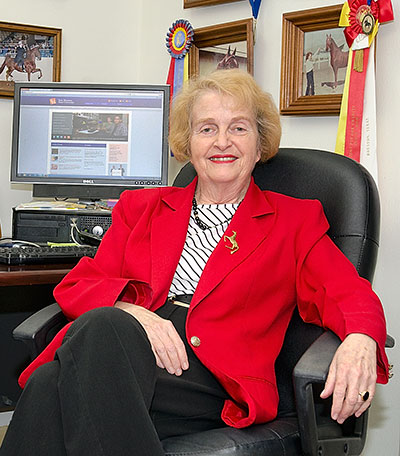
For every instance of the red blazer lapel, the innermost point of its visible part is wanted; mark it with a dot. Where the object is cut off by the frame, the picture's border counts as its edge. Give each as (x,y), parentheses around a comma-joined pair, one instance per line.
(252,223)
(168,234)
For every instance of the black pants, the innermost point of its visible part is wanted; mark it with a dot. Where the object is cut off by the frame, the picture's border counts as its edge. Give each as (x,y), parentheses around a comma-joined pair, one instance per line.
(310,83)
(104,395)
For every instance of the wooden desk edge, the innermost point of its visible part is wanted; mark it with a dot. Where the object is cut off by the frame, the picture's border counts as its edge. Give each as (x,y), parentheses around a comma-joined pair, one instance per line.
(22,276)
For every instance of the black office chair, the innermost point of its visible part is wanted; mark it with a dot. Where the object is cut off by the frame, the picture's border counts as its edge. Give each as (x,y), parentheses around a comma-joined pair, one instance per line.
(303,427)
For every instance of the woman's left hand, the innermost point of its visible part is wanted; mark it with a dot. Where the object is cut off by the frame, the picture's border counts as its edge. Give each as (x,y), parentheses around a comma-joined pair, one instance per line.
(352,372)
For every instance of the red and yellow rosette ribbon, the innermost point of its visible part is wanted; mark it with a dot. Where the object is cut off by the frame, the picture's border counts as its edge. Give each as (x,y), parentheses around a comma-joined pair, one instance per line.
(356,137)
(178,42)
(354,11)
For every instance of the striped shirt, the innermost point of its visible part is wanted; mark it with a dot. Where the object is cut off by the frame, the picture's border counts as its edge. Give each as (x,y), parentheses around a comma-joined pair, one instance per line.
(200,244)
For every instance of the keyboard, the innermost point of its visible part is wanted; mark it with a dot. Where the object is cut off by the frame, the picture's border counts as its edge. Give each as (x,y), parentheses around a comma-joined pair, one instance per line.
(45,254)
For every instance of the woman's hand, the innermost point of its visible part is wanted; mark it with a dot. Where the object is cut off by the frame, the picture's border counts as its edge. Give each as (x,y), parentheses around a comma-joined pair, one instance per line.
(167,346)
(352,371)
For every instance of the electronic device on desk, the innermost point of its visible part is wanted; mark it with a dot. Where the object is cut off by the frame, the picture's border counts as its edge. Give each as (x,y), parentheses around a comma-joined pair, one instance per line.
(42,225)
(89,141)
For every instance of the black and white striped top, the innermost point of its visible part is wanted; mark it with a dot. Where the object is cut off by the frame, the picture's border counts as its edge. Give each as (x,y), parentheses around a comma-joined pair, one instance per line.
(200,244)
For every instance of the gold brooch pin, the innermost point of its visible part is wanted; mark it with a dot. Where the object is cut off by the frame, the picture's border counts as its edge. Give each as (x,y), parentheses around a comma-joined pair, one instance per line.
(232,239)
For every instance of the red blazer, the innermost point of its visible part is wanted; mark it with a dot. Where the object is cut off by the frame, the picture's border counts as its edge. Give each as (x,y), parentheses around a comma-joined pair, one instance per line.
(244,300)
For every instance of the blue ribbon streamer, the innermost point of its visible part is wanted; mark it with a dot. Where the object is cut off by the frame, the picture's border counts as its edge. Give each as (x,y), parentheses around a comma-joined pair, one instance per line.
(255,6)
(178,76)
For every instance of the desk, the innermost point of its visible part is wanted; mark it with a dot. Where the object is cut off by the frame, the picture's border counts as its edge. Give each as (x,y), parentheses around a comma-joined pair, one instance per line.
(32,274)
(23,291)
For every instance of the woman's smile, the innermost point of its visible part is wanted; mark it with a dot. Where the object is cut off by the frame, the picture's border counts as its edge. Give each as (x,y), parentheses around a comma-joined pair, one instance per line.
(223,158)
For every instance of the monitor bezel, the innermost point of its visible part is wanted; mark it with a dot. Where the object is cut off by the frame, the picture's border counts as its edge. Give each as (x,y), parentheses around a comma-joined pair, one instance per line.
(99,185)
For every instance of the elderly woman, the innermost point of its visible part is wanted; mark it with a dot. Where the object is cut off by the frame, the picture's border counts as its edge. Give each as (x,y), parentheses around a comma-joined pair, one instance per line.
(187,285)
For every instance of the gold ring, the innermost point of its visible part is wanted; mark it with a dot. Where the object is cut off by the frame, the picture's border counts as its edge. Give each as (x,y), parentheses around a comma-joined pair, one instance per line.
(364,395)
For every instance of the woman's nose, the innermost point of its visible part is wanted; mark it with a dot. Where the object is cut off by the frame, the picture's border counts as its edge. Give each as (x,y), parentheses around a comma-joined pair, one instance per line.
(222,140)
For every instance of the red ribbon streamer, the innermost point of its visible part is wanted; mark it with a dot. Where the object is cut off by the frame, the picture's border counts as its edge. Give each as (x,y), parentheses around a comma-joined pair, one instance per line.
(355,109)
(170,79)
(385,11)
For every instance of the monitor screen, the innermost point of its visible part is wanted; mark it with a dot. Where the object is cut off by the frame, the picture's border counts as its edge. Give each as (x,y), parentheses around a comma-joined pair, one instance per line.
(92,138)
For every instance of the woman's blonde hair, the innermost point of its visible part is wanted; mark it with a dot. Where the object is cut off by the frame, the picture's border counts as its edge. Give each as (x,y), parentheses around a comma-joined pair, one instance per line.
(244,90)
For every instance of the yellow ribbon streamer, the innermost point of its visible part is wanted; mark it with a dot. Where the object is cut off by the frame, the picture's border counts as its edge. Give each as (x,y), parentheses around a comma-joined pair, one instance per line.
(344,20)
(341,133)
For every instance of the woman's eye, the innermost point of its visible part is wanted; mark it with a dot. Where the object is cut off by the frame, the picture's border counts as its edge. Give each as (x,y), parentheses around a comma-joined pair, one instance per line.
(239,130)
(207,130)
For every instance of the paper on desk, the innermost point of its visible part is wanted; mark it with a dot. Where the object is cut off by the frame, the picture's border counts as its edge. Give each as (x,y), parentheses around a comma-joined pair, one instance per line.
(51,205)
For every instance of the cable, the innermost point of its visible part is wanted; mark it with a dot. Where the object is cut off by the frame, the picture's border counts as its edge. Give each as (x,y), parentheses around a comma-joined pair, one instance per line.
(17,241)
(90,239)
(74,227)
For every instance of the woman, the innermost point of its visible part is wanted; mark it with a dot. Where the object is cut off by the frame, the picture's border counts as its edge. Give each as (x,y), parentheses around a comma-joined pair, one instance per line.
(209,273)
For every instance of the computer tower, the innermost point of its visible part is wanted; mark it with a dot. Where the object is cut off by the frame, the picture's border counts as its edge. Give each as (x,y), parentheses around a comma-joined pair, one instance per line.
(55,225)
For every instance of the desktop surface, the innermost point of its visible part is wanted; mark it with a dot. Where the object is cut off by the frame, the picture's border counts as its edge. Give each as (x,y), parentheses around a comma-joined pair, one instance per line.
(33,274)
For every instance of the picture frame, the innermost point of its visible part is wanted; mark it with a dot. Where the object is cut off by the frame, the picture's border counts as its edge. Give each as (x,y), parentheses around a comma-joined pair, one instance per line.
(317,92)
(22,47)
(229,45)
(194,3)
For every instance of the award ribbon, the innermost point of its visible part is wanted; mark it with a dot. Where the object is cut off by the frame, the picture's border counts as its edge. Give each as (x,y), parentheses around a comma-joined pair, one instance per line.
(178,42)
(356,136)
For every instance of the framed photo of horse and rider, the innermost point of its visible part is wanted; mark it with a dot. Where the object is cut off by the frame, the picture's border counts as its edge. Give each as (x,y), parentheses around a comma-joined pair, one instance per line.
(314,62)
(28,53)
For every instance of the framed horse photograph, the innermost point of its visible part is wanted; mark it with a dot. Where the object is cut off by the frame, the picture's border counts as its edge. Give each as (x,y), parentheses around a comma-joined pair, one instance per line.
(314,62)
(28,53)
(229,45)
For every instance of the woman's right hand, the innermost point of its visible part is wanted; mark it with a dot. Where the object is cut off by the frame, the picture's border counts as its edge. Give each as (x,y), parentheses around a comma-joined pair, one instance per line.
(168,347)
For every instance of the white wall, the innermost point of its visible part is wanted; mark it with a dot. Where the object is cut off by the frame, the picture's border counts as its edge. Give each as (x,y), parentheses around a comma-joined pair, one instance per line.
(100,43)
(124,42)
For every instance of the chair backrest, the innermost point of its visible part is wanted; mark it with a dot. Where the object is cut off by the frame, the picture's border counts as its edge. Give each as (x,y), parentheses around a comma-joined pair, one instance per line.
(351,203)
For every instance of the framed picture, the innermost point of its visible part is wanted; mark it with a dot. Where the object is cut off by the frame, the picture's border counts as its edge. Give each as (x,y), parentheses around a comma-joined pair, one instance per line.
(229,45)
(314,62)
(28,53)
(193,3)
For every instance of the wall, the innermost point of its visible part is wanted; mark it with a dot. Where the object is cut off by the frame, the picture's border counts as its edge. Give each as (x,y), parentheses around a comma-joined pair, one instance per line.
(99,44)
(126,44)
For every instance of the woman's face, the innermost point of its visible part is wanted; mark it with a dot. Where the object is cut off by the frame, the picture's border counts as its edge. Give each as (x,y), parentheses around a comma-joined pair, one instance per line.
(224,140)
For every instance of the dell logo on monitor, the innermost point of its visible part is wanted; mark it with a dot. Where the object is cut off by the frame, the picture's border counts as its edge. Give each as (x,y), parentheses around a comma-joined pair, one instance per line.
(88,181)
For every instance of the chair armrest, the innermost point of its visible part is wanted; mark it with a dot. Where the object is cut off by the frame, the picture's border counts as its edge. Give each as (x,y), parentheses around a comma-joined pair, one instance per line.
(38,330)
(319,433)
(315,362)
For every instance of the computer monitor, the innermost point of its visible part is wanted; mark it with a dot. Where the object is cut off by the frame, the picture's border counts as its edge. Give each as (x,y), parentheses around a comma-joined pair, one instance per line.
(89,141)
